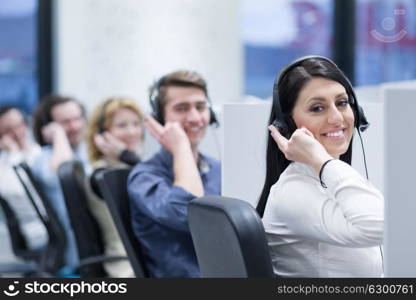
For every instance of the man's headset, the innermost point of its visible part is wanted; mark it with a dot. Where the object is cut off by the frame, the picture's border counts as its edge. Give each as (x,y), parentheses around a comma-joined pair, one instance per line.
(285,123)
(157,112)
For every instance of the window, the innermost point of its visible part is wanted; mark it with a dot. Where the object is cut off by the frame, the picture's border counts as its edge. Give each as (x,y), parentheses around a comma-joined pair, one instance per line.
(276,32)
(18,57)
(386,41)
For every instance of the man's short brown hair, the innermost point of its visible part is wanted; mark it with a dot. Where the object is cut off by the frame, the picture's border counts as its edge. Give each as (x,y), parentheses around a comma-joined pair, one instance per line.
(182,78)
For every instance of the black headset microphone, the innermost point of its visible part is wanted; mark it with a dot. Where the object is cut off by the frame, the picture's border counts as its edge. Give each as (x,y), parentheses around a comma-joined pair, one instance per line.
(285,124)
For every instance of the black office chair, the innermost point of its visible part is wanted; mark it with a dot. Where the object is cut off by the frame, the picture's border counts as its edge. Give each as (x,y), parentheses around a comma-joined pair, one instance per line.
(52,258)
(229,238)
(86,230)
(113,187)
(17,239)
(19,245)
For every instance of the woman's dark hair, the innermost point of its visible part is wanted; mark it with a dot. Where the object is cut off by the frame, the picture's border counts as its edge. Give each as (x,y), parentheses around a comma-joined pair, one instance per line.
(42,115)
(289,84)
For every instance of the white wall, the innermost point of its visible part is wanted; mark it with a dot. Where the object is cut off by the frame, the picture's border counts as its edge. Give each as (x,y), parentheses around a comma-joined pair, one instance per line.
(370,98)
(119,47)
(244,159)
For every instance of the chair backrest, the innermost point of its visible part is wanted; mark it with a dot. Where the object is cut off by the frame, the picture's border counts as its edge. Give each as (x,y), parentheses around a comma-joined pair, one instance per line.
(53,258)
(229,238)
(17,239)
(113,186)
(86,230)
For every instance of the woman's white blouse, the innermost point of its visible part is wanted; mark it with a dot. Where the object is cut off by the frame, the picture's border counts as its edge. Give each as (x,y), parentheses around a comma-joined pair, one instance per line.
(324,232)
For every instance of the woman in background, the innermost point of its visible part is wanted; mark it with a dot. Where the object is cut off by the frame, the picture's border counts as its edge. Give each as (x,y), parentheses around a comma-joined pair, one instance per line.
(115,138)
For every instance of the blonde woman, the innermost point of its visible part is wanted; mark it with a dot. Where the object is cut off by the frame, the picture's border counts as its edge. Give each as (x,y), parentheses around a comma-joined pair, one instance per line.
(115,137)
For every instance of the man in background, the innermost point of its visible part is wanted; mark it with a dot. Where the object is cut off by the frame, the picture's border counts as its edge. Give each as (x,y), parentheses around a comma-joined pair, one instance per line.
(17,147)
(161,188)
(59,126)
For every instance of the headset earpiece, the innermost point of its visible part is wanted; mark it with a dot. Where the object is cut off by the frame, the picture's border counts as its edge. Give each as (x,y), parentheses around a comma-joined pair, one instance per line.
(360,119)
(282,127)
(213,120)
(286,127)
(45,119)
(362,122)
(101,118)
(155,101)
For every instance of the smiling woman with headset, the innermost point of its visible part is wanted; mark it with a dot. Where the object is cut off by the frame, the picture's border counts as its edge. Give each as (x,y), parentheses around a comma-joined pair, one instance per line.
(322,218)
(115,137)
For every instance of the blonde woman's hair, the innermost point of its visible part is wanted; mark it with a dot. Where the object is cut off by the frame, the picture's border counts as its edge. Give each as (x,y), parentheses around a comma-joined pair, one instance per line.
(101,120)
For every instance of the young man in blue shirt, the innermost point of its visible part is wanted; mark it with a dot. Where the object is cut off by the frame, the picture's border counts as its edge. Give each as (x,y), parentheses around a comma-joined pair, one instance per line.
(161,188)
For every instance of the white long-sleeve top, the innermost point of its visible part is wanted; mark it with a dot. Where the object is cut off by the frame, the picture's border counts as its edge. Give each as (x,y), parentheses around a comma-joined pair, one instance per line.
(324,232)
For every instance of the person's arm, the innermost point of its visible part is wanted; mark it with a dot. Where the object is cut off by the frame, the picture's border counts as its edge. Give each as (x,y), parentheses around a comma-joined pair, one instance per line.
(352,215)
(185,170)
(173,138)
(61,148)
(153,194)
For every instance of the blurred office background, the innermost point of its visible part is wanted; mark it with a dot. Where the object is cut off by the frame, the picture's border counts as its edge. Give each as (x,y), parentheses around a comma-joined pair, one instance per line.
(95,48)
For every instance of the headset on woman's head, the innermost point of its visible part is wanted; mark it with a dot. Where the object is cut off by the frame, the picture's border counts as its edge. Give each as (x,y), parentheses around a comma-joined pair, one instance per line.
(157,113)
(101,118)
(285,123)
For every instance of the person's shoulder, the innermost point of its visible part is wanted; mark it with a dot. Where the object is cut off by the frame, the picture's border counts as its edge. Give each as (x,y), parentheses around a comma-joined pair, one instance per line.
(46,149)
(293,190)
(33,148)
(156,162)
(32,151)
(295,177)
(299,170)
(213,162)
(100,164)
(43,153)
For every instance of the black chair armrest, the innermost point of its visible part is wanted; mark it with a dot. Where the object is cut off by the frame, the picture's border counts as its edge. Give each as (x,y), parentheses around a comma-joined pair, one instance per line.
(100,259)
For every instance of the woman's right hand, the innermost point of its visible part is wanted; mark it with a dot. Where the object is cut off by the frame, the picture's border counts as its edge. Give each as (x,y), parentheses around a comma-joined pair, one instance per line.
(301,147)
(109,145)
(7,143)
(171,135)
(51,131)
